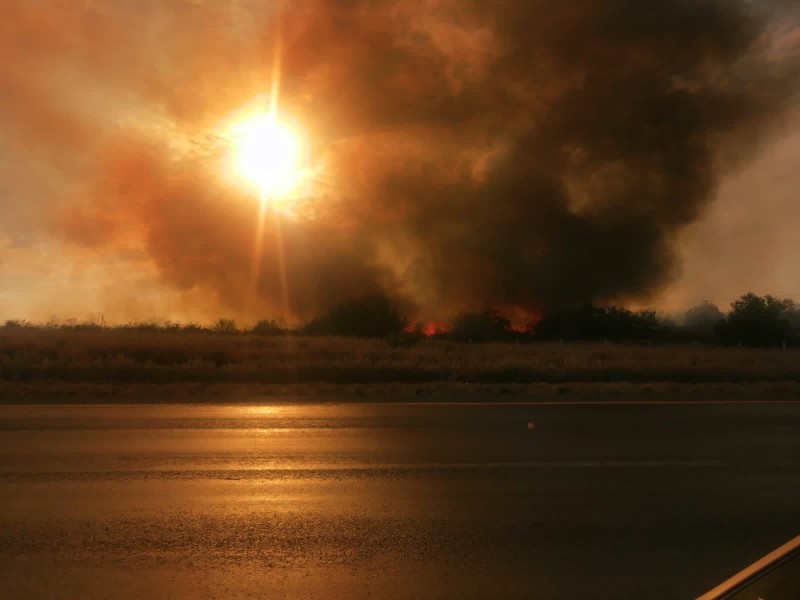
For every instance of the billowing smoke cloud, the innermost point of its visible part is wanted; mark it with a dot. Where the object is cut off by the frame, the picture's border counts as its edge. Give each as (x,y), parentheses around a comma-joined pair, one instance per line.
(521,154)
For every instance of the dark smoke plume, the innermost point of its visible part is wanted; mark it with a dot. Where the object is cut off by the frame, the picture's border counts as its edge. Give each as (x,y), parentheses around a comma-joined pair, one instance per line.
(518,154)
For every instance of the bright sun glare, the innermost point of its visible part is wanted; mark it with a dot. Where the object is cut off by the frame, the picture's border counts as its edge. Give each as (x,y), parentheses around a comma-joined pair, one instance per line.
(267,154)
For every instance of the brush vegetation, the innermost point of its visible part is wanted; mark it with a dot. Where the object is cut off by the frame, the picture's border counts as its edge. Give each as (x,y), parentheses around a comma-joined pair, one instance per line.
(187,355)
(368,342)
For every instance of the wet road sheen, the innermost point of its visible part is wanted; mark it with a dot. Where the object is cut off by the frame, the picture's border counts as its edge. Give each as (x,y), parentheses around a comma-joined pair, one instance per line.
(392,500)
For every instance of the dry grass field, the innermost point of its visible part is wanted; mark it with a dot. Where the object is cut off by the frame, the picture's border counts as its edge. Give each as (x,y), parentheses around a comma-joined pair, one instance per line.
(59,360)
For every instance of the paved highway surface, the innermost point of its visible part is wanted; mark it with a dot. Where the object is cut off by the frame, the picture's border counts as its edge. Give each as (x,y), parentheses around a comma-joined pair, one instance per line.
(392,500)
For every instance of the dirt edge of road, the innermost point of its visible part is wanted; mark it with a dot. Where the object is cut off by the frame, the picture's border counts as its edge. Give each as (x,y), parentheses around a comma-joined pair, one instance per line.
(72,393)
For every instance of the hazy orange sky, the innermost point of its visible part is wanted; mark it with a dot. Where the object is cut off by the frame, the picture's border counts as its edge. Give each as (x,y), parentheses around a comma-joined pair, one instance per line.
(458,154)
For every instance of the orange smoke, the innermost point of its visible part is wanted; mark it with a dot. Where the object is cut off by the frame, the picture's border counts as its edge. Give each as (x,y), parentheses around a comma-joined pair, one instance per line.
(464,154)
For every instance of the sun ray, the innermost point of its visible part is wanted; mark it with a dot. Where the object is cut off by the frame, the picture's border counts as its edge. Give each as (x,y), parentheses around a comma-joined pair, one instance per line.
(268,157)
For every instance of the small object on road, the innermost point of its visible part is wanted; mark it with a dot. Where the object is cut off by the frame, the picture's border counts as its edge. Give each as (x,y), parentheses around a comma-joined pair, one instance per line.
(531,425)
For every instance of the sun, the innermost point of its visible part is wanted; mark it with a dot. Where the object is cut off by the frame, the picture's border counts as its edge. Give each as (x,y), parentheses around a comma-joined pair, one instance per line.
(267,154)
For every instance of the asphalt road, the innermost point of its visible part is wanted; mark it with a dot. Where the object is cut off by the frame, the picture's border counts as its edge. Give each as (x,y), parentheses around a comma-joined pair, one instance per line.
(392,500)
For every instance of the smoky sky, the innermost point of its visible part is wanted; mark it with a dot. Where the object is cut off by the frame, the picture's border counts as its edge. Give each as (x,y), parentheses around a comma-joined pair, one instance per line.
(517,154)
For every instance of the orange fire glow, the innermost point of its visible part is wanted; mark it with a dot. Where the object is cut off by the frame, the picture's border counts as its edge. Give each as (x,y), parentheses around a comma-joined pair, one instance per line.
(428,329)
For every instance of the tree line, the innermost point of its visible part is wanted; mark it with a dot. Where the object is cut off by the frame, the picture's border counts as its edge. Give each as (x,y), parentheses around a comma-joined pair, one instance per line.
(752,320)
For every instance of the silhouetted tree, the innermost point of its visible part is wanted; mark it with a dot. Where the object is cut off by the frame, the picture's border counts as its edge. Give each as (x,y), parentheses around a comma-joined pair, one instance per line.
(16,324)
(271,327)
(486,326)
(760,321)
(226,326)
(371,316)
(598,323)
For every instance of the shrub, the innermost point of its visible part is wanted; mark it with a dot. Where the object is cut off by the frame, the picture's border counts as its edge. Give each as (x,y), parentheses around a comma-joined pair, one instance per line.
(226,326)
(371,316)
(486,326)
(265,327)
(760,321)
(598,323)
(16,324)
